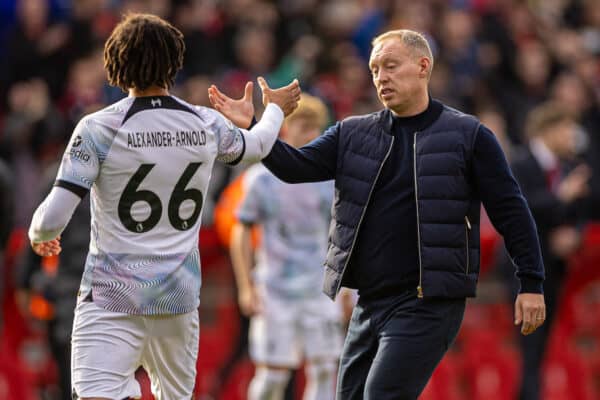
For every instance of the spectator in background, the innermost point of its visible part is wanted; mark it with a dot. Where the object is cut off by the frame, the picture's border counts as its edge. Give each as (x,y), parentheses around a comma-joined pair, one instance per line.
(291,320)
(37,46)
(56,280)
(493,119)
(34,134)
(553,185)
(6,216)
(576,97)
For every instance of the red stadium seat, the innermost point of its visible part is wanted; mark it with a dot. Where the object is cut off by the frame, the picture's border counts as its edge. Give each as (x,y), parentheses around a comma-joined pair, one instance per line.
(445,382)
(491,367)
(565,376)
(14,384)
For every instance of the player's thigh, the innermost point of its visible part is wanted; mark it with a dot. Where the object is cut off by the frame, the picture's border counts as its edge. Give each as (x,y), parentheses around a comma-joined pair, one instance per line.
(321,330)
(170,355)
(274,335)
(106,351)
(412,342)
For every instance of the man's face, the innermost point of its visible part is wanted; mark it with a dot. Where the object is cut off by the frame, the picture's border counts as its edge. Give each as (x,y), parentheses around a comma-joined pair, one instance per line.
(398,75)
(563,139)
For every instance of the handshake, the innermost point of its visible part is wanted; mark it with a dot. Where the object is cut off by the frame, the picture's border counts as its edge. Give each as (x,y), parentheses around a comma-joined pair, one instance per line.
(241,111)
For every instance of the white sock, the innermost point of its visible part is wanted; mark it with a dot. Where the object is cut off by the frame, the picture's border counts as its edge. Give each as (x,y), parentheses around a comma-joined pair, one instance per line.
(268,384)
(320,381)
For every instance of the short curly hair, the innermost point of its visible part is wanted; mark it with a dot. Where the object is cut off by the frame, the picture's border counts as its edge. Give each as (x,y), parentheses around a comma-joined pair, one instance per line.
(143,51)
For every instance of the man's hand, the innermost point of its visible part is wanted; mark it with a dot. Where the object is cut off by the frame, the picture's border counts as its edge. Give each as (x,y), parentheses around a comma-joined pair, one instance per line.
(575,185)
(530,311)
(49,248)
(240,111)
(286,97)
(249,301)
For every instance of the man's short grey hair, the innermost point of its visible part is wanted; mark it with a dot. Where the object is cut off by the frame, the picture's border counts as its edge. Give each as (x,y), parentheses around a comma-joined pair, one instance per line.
(413,40)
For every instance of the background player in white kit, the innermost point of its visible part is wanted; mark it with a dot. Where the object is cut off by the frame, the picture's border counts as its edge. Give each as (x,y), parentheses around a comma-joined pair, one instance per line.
(147,160)
(292,320)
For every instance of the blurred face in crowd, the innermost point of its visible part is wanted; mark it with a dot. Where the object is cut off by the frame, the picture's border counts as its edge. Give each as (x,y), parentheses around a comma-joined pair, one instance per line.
(302,130)
(399,75)
(561,138)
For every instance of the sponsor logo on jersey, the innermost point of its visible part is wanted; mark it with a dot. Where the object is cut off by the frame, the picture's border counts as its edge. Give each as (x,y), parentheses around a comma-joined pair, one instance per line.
(80,155)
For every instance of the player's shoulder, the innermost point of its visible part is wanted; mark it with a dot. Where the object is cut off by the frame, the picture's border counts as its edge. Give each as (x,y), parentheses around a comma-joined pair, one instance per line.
(110,116)
(206,113)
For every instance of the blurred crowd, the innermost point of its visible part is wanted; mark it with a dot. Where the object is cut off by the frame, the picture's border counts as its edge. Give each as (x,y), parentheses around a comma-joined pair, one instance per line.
(494,58)
(497,59)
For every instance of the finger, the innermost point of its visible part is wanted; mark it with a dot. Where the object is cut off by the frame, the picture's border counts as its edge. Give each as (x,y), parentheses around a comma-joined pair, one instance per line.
(263,84)
(218,95)
(214,102)
(248,91)
(529,315)
(518,313)
(527,328)
(293,84)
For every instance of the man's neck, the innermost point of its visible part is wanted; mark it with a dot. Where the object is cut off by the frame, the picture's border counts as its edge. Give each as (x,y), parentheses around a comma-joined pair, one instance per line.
(415,108)
(151,91)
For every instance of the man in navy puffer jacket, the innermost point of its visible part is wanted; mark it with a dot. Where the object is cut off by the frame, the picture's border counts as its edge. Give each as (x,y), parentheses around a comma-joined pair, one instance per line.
(409,183)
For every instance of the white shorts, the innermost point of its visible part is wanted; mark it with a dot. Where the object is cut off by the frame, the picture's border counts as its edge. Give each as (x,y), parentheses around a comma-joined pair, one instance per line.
(288,332)
(108,347)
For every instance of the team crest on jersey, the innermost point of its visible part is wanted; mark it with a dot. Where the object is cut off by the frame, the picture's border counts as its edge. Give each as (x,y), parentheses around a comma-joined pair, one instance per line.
(77,141)
(156,103)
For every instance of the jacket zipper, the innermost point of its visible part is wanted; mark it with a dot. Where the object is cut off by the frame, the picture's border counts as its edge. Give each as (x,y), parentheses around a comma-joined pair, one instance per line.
(420,287)
(467,229)
(337,289)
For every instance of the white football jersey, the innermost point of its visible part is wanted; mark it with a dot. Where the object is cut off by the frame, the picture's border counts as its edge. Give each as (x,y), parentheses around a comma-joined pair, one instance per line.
(294,221)
(147,161)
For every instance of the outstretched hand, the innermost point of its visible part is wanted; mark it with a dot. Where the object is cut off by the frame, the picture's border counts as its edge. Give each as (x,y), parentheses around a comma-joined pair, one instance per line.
(240,111)
(286,97)
(46,249)
(530,312)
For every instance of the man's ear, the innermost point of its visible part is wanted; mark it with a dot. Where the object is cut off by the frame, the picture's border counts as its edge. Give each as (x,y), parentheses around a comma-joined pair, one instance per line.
(424,67)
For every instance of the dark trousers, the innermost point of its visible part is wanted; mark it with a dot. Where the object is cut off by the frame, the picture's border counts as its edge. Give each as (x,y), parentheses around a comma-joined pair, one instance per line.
(61,351)
(394,344)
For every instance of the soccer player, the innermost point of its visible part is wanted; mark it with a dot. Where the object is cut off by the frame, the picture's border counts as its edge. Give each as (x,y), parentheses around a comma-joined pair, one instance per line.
(147,160)
(291,319)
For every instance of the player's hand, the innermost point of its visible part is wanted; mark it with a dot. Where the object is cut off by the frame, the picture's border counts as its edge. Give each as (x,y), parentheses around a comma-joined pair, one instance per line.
(240,111)
(286,97)
(530,312)
(249,300)
(46,249)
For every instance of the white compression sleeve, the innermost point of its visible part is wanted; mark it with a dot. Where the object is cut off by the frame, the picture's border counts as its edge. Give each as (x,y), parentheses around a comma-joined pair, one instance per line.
(53,214)
(261,138)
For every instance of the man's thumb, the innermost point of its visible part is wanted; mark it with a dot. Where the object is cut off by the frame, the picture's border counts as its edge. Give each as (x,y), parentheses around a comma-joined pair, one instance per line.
(248,91)
(262,83)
